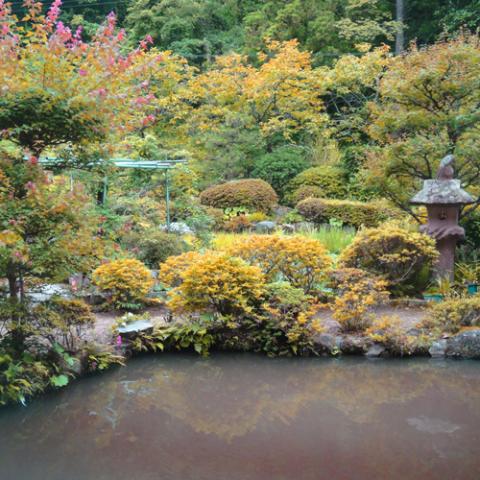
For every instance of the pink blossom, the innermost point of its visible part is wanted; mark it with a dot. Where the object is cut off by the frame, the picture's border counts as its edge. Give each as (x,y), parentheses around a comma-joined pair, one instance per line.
(119,340)
(54,12)
(5,29)
(148,120)
(82,72)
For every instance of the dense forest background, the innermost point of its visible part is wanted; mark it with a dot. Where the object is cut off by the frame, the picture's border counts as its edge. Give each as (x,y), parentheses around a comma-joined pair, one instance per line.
(201,29)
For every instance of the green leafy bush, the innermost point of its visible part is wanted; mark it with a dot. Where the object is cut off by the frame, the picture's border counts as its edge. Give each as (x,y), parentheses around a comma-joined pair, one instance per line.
(279,167)
(393,252)
(21,378)
(251,193)
(330,182)
(154,247)
(351,213)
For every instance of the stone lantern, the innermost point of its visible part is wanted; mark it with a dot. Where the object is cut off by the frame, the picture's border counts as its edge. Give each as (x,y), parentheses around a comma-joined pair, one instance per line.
(443,198)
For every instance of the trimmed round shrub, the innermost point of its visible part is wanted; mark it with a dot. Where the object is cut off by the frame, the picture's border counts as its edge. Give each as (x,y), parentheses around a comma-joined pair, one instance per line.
(329,180)
(299,260)
(153,248)
(279,167)
(352,213)
(126,282)
(393,252)
(254,194)
(218,283)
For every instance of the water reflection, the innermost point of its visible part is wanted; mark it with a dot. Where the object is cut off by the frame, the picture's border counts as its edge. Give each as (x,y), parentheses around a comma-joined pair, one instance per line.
(248,417)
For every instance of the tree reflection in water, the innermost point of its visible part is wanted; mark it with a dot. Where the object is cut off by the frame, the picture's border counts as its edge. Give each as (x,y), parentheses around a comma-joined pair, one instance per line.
(249,417)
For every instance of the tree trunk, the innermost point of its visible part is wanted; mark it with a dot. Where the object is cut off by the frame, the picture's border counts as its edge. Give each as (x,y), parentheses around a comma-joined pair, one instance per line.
(400,36)
(12,283)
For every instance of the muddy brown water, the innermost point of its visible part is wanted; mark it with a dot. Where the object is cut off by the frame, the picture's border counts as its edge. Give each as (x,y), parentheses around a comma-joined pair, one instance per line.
(247,417)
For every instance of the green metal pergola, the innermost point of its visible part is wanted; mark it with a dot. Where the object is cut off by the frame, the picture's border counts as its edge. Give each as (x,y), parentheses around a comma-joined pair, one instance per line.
(165,165)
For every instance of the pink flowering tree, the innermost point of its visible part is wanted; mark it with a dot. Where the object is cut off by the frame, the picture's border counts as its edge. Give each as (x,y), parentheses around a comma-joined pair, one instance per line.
(56,89)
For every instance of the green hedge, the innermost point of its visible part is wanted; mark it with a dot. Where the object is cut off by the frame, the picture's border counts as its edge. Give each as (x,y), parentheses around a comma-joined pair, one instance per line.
(355,214)
(253,194)
(329,182)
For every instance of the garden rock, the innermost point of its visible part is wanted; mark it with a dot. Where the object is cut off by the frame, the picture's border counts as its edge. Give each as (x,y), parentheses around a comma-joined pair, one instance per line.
(132,329)
(376,350)
(438,349)
(465,344)
(331,326)
(180,228)
(353,344)
(46,292)
(288,228)
(325,342)
(265,227)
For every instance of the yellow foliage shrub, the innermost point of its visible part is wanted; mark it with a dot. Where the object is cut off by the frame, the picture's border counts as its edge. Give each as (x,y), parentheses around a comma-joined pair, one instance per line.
(301,261)
(125,281)
(356,298)
(395,253)
(453,314)
(171,270)
(218,283)
(391,333)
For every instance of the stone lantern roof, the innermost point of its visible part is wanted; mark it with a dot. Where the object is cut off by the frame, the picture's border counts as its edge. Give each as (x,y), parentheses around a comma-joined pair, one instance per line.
(444,190)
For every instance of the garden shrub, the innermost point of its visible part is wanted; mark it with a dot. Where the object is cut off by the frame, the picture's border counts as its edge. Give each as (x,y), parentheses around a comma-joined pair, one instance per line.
(393,335)
(451,315)
(352,213)
(357,294)
(154,247)
(139,212)
(126,282)
(172,269)
(21,378)
(216,215)
(218,283)
(64,321)
(393,252)
(304,192)
(299,260)
(280,166)
(237,224)
(330,180)
(256,217)
(282,296)
(195,336)
(250,193)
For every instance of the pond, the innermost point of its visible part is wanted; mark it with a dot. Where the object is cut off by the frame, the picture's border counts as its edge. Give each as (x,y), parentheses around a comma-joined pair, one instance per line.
(242,417)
